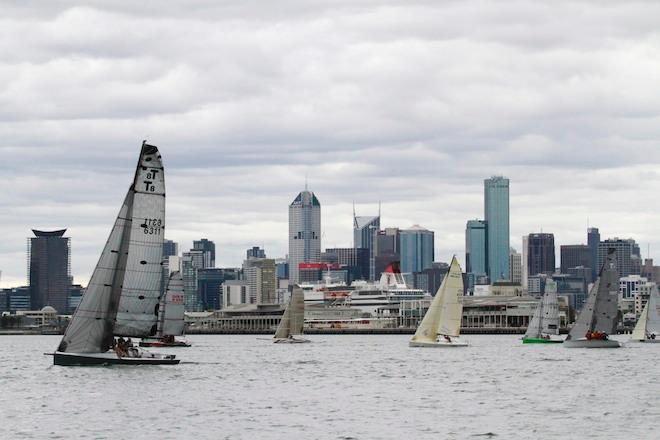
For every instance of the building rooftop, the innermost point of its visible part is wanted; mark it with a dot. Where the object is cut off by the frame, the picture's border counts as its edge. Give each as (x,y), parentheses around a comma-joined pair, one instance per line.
(58,233)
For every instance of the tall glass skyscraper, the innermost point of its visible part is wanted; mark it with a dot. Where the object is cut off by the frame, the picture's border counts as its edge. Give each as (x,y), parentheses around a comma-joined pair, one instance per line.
(304,232)
(416,247)
(365,230)
(593,239)
(208,247)
(496,213)
(476,245)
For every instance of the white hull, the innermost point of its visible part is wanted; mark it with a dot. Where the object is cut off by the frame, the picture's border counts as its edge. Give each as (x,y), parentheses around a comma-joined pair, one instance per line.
(290,341)
(437,344)
(593,343)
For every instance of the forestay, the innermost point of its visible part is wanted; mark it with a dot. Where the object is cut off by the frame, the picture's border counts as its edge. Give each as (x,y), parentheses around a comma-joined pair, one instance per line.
(138,305)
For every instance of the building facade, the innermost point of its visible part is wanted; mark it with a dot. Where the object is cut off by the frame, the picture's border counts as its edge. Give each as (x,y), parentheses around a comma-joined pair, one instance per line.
(540,254)
(260,274)
(208,249)
(365,231)
(49,270)
(515,267)
(255,252)
(496,215)
(190,263)
(627,252)
(574,255)
(417,249)
(593,240)
(476,249)
(304,233)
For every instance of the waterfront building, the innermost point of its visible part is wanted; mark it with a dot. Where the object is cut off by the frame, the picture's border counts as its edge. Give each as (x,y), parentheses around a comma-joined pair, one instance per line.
(170,248)
(417,249)
(593,240)
(506,288)
(574,255)
(496,216)
(387,249)
(49,269)
(515,267)
(235,292)
(15,298)
(541,254)
(476,252)
(209,286)
(208,249)
(627,251)
(365,231)
(261,277)
(304,232)
(255,252)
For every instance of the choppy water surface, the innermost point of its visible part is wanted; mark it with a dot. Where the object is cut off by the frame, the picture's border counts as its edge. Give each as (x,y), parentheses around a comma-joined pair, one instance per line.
(338,387)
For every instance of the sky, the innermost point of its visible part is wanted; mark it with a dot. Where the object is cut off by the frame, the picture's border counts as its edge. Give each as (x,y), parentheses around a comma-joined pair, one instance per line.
(411,103)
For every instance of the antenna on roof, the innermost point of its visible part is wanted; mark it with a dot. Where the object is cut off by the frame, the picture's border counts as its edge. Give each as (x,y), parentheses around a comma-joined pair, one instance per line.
(379,209)
(353,208)
(305,181)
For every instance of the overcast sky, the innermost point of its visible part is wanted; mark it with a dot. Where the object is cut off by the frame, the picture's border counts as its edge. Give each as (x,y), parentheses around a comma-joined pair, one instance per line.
(413,103)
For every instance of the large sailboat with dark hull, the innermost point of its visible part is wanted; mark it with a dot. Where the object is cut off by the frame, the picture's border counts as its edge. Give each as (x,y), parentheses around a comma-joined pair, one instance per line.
(124,290)
(598,318)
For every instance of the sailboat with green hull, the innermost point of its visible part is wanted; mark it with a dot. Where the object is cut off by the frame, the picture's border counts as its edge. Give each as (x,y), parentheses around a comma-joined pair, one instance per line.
(544,326)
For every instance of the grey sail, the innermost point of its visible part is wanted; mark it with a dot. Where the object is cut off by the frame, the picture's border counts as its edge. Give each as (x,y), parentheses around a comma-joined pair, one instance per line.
(138,304)
(294,315)
(534,327)
(171,310)
(600,310)
(549,324)
(92,325)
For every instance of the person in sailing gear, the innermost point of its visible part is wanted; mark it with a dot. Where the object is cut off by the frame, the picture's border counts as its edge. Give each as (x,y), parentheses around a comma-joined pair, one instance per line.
(447,338)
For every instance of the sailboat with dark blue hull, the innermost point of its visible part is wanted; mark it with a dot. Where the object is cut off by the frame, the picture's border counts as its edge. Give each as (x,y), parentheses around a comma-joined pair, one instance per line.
(123,293)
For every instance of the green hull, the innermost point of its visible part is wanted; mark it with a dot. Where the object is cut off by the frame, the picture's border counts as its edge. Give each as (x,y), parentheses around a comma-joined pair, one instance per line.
(541,341)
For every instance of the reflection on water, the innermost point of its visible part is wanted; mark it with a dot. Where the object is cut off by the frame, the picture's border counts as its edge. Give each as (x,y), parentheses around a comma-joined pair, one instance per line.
(340,387)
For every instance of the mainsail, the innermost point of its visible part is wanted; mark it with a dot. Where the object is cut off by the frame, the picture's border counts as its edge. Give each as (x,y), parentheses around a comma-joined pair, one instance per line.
(599,313)
(171,309)
(445,312)
(293,318)
(545,320)
(94,322)
(649,321)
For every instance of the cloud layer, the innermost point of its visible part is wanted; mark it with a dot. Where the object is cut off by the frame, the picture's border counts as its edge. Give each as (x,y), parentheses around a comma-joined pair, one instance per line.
(411,103)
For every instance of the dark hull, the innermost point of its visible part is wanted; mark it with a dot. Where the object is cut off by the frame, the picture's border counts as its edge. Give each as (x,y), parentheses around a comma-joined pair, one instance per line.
(163,344)
(66,359)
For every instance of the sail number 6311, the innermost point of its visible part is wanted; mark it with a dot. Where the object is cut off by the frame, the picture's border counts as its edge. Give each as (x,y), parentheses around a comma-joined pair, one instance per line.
(152,226)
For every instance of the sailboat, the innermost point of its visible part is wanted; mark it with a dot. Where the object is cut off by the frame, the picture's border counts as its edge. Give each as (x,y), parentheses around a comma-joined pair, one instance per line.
(545,322)
(445,313)
(170,316)
(598,317)
(291,324)
(123,293)
(648,324)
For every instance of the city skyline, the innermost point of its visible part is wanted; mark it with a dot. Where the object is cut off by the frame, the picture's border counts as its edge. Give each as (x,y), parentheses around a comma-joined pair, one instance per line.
(413,105)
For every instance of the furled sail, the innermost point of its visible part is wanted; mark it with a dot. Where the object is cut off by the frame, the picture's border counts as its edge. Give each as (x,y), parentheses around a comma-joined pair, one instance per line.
(600,310)
(445,312)
(294,315)
(138,304)
(649,321)
(171,308)
(91,327)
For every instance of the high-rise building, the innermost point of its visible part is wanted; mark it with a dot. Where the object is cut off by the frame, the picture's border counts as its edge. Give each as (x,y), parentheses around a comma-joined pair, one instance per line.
(365,231)
(541,254)
(417,249)
(170,248)
(593,239)
(49,270)
(190,263)
(574,255)
(496,215)
(208,248)
(627,251)
(255,252)
(209,285)
(525,263)
(356,259)
(261,277)
(476,250)
(387,249)
(304,232)
(515,266)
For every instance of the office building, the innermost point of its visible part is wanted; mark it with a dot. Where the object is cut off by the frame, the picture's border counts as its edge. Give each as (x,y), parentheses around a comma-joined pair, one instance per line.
(49,269)
(525,264)
(496,216)
(387,249)
(208,249)
(574,255)
(476,250)
(356,259)
(260,274)
(540,254)
(417,249)
(170,248)
(593,240)
(515,267)
(209,285)
(627,253)
(255,252)
(365,231)
(190,263)
(304,232)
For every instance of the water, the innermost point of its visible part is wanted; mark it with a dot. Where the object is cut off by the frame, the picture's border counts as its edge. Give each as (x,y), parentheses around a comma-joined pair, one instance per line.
(338,387)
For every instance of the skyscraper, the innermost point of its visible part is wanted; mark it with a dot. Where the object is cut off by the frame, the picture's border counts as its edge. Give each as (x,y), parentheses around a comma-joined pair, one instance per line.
(170,248)
(574,255)
(417,249)
(304,232)
(525,263)
(496,215)
(626,252)
(365,230)
(515,266)
(190,263)
(49,271)
(255,252)
(593,239)
(260,274)
(476,245)
(387,249)
(540,254)
(208,247)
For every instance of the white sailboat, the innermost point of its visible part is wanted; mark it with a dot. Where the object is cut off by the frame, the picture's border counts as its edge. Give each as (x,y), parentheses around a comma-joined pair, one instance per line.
(123,293)
(544,326)
(648,325)
(597,320)
(170,316)
(444,315)
(291,324)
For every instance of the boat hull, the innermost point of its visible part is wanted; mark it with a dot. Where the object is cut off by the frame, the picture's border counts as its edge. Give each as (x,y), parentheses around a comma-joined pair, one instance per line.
(437,344)
(646,341)
(161,343)
(290,341)
(111,358)
(591,343)
(541,341)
